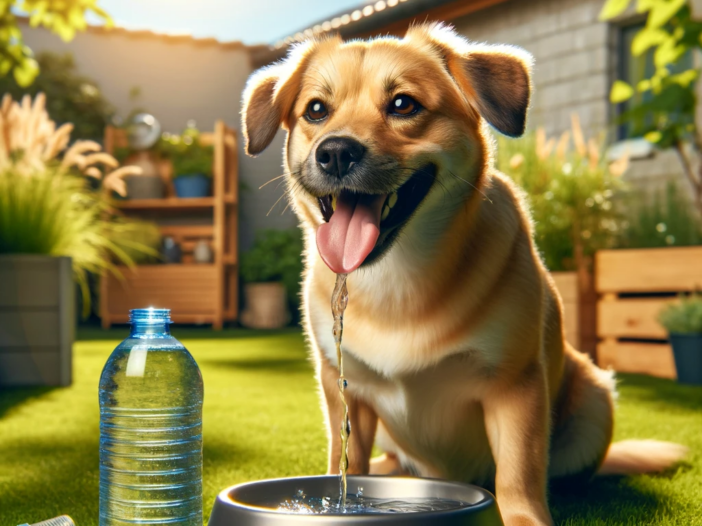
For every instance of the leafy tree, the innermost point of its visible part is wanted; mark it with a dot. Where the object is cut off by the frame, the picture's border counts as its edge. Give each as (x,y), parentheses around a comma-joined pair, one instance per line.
(667,110)
(63,17)
(70,97)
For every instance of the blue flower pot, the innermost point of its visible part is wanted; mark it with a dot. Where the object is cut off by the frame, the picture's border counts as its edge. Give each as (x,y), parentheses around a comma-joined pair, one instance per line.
(192,185)
(687,351)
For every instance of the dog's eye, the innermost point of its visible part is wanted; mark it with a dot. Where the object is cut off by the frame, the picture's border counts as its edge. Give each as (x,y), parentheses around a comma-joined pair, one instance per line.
(316,111)
(403,105)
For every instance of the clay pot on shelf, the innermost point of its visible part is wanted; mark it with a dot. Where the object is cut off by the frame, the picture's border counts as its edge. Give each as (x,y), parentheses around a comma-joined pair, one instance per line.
(202,253)
(192,185)
(148,185)
(171,251)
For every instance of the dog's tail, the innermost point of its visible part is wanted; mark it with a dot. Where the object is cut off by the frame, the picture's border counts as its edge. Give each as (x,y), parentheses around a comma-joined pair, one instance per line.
(631,457)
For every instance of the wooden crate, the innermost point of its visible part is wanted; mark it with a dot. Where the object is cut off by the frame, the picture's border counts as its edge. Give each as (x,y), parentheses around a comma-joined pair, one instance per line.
(634,285)
(577,296)
(37,320)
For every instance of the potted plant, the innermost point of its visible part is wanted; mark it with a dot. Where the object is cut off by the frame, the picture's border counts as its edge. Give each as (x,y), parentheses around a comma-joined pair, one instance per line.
(56,226)
(271,273)
(683,321)
(192,162)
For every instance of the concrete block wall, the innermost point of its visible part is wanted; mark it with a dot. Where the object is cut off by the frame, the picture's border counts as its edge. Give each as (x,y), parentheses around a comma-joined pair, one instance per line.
(575,64)
(570,49)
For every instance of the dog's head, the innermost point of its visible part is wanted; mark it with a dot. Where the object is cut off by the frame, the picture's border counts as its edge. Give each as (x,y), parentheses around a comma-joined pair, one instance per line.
(376,129)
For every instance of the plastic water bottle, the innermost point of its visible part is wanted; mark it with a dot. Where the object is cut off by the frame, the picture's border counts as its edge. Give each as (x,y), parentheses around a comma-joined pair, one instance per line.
(150,428)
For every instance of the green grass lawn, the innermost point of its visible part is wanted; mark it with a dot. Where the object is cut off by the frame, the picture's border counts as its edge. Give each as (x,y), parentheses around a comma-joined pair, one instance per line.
(262,419)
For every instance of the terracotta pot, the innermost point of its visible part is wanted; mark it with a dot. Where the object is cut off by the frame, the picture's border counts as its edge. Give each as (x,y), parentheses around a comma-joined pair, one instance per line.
(266,306)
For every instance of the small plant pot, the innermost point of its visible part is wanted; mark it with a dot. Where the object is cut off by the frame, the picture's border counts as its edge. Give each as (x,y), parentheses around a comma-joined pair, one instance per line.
(266,306)
(192,185)
(687,351)
(145,187)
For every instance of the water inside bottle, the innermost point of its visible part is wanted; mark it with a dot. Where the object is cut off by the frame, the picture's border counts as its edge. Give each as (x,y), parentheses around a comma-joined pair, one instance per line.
(151,396)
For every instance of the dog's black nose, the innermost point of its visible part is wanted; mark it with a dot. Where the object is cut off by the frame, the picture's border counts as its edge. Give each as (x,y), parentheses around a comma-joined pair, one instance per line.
(338,155)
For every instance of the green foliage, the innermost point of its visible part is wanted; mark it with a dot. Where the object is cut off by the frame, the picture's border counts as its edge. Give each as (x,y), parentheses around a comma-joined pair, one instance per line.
(71,97)
(61,215)
(683,317)
(570,194)
(664,110)
(188,155)
(275,256)
(669,108)
(62,17)
(664,218)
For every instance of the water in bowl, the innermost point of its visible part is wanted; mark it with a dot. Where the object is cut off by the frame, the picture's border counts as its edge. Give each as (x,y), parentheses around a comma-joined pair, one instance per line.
(361,505)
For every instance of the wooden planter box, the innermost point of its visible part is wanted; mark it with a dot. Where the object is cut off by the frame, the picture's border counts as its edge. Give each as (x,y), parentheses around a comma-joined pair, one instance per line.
(578,296)
(634,286)
(37,320)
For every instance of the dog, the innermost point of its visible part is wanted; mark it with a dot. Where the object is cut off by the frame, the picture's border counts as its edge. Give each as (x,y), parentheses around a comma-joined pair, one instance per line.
(455,355)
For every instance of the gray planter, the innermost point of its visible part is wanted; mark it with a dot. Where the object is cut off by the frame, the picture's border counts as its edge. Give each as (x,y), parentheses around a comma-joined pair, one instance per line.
(37,320)
(145,187)
(687,351)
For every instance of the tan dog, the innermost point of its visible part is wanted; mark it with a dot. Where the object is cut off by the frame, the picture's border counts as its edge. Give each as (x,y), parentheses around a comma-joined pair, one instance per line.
(456,361)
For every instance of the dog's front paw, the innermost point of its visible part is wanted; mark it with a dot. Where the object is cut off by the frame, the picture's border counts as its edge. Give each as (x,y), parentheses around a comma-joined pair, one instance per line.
(526,519)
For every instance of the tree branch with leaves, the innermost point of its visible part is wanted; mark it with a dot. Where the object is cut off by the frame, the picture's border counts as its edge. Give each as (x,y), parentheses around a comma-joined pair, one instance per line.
(664,105)
(62,17)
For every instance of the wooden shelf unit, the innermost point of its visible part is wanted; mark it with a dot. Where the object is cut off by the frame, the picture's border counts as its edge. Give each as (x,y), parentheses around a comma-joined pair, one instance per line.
(195,293)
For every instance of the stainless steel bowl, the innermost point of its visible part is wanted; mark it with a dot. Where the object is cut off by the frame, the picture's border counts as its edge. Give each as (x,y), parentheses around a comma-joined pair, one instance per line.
(254,503)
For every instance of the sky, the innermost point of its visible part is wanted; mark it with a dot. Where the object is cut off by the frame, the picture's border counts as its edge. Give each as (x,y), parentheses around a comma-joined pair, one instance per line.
(251,21)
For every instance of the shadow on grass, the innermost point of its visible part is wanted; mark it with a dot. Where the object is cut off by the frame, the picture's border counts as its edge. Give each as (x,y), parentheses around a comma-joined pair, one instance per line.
(182,332)
(13,396)
(273,364)
(49,478)
(661,391)
(612,500)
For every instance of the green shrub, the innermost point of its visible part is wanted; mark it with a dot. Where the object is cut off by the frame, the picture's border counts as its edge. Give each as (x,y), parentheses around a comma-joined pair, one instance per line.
(571,193)
(683,317)
(54,201)
(70,97)
(59,214)
(664,218)
(275,256)
(188,155)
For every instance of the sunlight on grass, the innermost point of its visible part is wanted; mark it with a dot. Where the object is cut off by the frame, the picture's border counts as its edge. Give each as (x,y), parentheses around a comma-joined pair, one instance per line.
(262,419)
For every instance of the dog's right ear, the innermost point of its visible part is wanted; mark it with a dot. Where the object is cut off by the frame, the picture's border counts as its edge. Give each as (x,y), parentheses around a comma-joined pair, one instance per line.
(269,97)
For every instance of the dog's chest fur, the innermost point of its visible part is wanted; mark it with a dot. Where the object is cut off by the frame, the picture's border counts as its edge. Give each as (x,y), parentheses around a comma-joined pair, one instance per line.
(427,403)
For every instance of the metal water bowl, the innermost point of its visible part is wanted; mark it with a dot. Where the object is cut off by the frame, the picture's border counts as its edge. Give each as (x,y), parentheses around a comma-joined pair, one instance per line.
(255,503)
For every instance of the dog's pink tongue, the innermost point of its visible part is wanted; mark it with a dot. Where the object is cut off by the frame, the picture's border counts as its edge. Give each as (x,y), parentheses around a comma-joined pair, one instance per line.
(350,235)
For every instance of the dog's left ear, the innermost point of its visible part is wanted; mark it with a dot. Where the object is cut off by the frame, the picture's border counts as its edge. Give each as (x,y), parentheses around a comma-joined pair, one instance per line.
(495,79)
(502,87)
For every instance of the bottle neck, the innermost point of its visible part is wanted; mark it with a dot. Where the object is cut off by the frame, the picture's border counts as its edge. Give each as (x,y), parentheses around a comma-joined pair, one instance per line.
(145,329)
